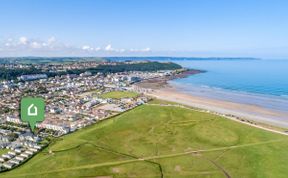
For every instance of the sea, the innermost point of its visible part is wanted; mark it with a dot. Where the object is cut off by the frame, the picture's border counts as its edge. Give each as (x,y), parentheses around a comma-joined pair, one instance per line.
(259,82)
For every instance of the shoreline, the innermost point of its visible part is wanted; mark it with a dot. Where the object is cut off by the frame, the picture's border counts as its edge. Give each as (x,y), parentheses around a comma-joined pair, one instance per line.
(272,102)
(160,82)
(257,116)
(243,112)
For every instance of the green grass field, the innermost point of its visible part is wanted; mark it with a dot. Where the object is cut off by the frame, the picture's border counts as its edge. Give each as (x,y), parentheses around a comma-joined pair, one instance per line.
(162,141)
(119,94)
(3,151)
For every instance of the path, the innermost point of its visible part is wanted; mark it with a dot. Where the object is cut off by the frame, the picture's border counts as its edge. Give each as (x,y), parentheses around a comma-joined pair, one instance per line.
(145,158)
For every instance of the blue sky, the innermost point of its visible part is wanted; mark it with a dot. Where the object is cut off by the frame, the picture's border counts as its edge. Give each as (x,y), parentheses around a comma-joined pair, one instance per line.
(256,28)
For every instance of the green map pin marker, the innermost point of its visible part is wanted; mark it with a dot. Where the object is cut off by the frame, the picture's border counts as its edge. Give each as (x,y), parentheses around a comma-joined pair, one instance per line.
(32,110)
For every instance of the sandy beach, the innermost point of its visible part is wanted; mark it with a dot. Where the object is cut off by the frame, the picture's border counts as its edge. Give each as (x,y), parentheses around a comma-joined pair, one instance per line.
(250,112)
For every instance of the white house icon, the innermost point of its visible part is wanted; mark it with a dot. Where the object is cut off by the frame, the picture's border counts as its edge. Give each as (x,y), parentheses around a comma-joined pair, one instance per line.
(32,110)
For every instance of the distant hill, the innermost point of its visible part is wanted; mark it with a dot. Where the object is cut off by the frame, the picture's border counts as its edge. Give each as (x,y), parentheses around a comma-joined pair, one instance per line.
(48,60)
(59,60)
(176,58)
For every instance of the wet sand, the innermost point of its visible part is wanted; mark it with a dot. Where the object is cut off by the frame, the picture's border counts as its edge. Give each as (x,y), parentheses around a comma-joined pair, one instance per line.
(250,112)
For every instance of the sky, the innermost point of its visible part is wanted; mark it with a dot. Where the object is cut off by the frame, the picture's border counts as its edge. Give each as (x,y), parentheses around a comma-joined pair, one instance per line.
(191,28)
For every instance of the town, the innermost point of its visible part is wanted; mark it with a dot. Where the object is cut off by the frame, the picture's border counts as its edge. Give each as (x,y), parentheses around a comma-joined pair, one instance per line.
(73,101)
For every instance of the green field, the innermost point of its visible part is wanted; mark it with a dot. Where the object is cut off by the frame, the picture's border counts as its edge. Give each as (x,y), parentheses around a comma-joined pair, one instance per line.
(119,94)
(162,141)
(3,151)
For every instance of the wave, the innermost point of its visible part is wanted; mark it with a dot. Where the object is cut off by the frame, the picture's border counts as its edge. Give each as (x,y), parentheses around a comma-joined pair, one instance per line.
(238,96)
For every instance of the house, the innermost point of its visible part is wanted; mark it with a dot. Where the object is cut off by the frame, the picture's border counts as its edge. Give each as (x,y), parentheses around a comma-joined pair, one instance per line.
(37,147)
(18,150)
(8,165)
(15,161)
(29,137)
(20,158)
(8,156)
(24,155)
(33,150)
(32,77)
(15,145)
(13,119)
(12,153)
(29,152)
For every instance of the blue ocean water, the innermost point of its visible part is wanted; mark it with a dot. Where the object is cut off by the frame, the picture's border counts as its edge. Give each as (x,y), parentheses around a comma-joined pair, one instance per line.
(257,82)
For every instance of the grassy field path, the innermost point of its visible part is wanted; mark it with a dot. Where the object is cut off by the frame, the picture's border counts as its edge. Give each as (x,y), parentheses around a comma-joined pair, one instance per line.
(158,141)
(136,159)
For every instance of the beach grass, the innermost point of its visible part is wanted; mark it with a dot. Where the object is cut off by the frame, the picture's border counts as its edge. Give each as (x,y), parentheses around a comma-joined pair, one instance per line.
(162,141)
(119,94)
(163,102)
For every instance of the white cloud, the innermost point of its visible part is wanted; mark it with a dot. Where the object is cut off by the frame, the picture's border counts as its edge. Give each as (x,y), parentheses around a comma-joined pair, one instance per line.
(140,50)
(26,43)
(97,49)
(122,50)
(109,48)
(86,47)
(51,40)
(146,49)
(36,45)
(29,46)
(23,40)
(89,48)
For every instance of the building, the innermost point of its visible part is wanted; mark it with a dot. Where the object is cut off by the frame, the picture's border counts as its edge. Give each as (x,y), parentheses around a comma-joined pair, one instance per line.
(15,161)
(14,119)
(8,156)
(8,165)
(32,77)
(20,158)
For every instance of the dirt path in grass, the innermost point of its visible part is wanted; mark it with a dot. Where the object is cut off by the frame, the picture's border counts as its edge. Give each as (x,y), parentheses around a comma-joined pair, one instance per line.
(149,158)
(219,167)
